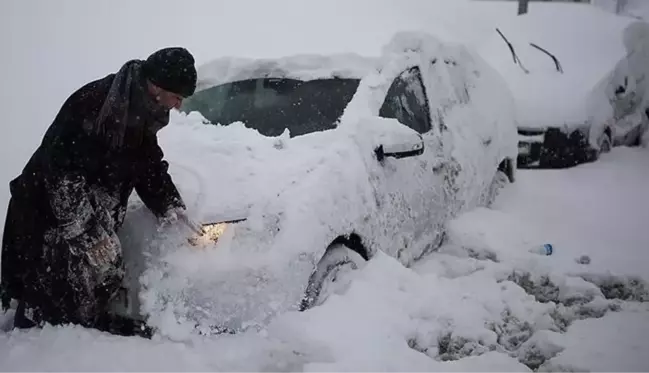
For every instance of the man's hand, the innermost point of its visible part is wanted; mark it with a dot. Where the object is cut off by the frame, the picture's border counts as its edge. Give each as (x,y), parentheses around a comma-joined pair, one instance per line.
(179,215)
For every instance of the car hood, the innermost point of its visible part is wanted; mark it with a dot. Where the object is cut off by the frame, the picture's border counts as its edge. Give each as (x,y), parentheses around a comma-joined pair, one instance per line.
(229,169)
(542,102)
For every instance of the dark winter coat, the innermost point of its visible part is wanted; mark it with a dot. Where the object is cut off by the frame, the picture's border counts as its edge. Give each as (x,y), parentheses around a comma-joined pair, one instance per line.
(72,195)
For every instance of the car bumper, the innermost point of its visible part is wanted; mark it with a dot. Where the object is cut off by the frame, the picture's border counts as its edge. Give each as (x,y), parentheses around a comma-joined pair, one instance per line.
(553,148)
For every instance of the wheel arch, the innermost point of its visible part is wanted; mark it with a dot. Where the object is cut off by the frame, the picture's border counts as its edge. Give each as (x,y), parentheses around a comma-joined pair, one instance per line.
(353,241)
(609,132)
(507,166)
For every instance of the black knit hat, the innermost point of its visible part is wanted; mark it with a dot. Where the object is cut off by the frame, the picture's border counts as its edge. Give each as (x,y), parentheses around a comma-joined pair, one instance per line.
(172,69)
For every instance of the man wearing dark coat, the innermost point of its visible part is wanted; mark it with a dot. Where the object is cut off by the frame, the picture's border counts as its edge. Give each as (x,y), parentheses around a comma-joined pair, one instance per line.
(61,258)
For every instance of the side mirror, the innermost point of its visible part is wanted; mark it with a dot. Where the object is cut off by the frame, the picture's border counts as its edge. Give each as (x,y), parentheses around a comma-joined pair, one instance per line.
(400,149)
(390,138)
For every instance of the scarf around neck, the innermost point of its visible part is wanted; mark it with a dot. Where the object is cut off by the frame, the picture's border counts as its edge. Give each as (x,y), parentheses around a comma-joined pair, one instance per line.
(129,112)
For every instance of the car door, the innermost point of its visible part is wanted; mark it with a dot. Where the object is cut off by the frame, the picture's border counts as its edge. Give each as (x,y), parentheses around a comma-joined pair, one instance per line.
(411,195)
(467,133)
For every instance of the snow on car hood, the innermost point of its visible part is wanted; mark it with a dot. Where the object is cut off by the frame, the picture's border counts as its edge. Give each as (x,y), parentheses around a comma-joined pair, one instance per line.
(544,99)
(230,168)
(587,41)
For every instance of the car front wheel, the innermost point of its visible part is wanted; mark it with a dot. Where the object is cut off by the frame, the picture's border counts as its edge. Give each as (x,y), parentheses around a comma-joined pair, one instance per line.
(604,144)
(499,181)
(331,275)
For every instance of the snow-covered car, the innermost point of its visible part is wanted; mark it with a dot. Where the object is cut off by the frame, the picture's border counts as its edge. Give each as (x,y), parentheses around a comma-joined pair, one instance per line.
(310,165)
(578,82)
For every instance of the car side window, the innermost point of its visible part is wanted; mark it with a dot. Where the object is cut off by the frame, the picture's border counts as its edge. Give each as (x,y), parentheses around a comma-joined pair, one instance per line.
(407,102)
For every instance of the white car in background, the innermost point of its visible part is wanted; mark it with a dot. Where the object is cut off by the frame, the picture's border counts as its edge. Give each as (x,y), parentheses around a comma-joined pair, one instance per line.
(310,165)
(579,82)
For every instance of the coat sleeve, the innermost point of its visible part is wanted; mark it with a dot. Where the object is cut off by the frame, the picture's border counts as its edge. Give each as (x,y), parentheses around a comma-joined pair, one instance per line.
(155,187)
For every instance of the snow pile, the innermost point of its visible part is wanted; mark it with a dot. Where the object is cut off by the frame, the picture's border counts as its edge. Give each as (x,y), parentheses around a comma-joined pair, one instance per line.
(481,303)
(392,317)
(457,311)
(586,348)
(587,300)
(612,187)
(588,43)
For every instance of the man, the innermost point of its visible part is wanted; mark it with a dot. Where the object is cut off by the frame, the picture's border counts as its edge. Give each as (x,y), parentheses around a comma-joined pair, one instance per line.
(61,258)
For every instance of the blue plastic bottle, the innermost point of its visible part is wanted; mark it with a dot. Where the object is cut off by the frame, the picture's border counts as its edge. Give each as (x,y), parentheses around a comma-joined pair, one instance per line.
(545,249)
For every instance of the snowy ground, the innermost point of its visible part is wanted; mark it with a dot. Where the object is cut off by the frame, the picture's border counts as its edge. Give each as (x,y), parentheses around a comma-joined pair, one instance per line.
(481,303)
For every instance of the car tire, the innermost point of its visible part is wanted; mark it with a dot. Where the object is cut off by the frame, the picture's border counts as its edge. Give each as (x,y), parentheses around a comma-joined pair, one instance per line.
(604,144)
(642,133)
(331,275)
(498,182)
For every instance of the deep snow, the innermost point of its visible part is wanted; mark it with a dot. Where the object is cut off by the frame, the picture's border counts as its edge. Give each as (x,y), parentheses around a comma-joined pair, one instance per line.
(613,188)
(481,303)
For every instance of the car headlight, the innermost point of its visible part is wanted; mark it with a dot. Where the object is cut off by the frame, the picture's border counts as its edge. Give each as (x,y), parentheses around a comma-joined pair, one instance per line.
(210,234)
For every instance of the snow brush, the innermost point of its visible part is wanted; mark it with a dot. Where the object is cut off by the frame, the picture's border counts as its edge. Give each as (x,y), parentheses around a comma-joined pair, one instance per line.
(208,232)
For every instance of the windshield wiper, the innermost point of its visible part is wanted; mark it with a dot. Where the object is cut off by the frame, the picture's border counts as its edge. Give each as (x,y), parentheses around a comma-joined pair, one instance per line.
(554,58)
(514,55)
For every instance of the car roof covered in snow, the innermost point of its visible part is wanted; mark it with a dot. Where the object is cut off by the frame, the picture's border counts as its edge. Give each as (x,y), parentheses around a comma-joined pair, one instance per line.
(302,67)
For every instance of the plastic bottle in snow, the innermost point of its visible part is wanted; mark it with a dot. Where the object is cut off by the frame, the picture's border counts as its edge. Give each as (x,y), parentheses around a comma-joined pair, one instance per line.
(545,249)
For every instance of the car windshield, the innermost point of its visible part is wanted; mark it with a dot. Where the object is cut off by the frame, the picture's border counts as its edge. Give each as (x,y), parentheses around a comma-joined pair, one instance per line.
(518,61)
(554,58)
(271,105)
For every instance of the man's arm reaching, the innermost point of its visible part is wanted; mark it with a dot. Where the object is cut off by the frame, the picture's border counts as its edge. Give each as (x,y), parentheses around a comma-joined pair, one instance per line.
(155,187)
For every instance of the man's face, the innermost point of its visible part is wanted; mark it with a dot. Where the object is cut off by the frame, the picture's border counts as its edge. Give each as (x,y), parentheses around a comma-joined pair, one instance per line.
(166,99)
